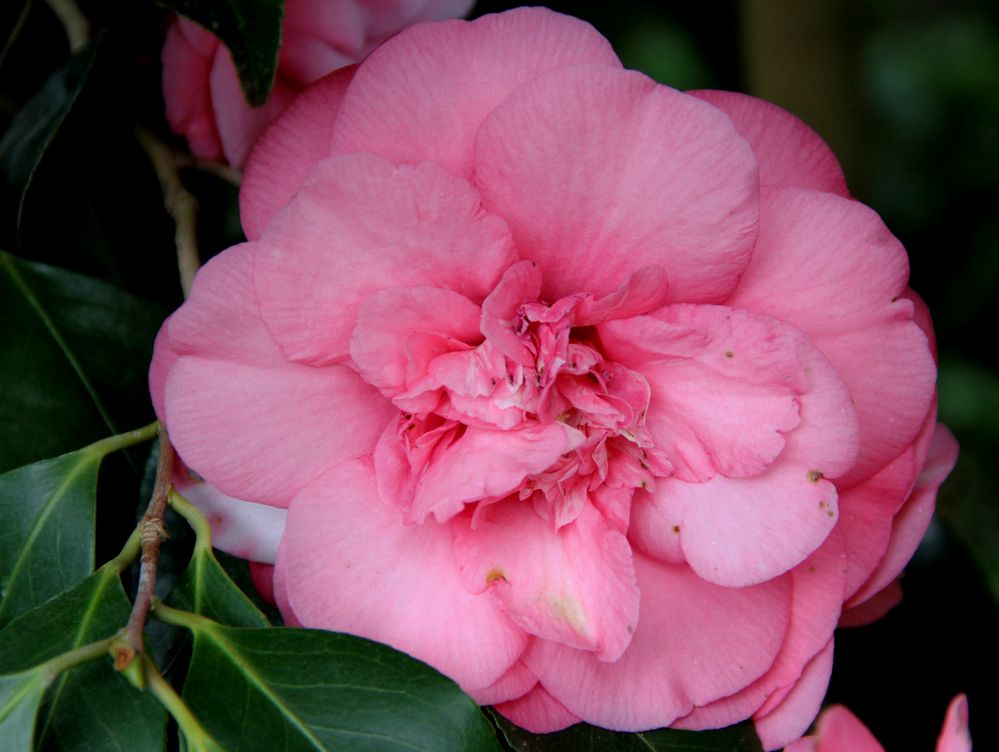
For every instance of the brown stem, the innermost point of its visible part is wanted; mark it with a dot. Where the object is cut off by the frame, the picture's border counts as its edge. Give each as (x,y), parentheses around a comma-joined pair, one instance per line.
(178,201)
(151,534)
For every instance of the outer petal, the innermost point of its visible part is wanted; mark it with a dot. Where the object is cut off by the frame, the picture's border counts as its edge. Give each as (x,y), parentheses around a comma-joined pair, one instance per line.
(790,154)
(360,225)
(955,736)
(839,729)
(239,124)
(601,172)
(188,54)
(350,565)
(695,643)
(230,375)
(293,144)
(829,267)
(241,528)
(423,94)
(911,523)
(575,586)
(538,712)
(817,593)
(515,683)
(797,711)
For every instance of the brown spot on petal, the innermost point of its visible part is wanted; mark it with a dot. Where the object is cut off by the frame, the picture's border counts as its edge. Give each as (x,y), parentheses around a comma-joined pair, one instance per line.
(831,513)
(495,574)
(811,569)
(676,529)
(814,476)
(729,354)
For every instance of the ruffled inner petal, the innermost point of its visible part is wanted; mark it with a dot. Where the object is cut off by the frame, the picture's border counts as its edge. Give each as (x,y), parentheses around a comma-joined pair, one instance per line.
(575,586)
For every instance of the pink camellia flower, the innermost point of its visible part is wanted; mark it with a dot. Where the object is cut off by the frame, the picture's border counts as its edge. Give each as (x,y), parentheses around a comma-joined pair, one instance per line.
(204,99)
(604,399)
(839,730)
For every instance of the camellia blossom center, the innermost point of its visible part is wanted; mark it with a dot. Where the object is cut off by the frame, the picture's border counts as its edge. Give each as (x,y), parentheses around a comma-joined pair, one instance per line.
(533,382)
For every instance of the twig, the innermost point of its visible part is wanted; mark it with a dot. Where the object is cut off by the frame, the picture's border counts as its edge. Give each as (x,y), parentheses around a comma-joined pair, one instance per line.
(151,535)
(223,172)
(179,202)
(73,21)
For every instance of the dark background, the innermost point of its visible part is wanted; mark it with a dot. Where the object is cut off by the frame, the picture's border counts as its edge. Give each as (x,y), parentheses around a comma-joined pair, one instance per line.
(905,91)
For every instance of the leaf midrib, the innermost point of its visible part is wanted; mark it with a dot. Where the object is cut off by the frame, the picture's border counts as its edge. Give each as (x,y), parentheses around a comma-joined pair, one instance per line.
(25,289)
(85,458)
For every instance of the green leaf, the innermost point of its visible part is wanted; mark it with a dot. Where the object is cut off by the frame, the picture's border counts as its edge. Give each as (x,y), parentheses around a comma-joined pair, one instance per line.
(206,589)
(47,524)
(75,359)
(251,29)
(20,695)
(91,707)
(35,126)
(581,737)
(46,529)
(299,689)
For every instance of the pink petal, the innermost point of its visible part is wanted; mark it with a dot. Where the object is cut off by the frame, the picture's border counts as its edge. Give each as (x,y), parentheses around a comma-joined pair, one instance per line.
(695,643)
(188,54)
(520,283)
(873,608)
(423,94)
(798,709)
(839,729)
(955,736)
(401,329)
(829,267)
(284,154)
(911,523)
(262,576)
(575,586)
(241,528)
(724,385)
(229,374)
(790,154)
(866,512)
(485,464)
(515,683)
(360,225)
(351,565)
(304,421)
(601,172)
(738,532)
(817,595)
(164,357)
(239,124)
(538,712)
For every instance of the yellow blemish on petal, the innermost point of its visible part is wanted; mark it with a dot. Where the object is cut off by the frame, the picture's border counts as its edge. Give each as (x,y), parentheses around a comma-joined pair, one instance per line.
(568,609)
(495,574)
(814,476)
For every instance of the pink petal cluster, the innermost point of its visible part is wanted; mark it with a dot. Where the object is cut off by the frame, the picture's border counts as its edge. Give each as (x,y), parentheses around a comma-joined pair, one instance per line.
(839,730)
(604,399)
(204,99)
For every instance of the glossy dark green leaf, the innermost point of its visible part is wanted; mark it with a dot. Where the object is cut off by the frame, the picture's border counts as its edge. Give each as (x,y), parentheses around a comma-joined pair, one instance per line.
(206,589)
(91,707)
(251,29)
(33,129)
(584,738)
(75,360)
(298,689)
(46,529)
(20,695)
